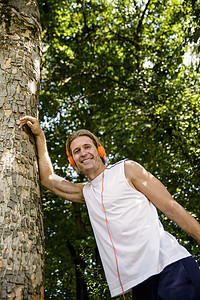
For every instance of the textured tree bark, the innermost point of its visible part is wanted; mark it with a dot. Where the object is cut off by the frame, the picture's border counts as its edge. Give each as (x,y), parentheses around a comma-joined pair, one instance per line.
(21,219)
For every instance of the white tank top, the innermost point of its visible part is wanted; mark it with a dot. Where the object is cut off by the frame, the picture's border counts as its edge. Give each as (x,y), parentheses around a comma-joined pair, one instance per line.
(143,247)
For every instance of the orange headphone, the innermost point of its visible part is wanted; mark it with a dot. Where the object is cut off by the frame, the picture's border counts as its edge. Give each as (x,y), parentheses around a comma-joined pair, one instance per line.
(101,151)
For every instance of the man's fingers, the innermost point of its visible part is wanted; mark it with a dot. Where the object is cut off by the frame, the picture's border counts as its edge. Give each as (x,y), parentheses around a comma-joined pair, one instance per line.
(26,120)
(21,124)
(32,123)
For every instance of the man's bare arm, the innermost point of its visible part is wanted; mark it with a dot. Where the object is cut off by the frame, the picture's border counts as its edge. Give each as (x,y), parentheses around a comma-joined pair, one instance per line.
(155,191)
(64,188)
(58,185)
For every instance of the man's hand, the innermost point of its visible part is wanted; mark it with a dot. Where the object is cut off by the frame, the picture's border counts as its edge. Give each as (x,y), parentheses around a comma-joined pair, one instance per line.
(32,123)
(58,185)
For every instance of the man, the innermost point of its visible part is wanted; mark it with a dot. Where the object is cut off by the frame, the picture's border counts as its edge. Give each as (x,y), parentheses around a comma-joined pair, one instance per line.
(122,199)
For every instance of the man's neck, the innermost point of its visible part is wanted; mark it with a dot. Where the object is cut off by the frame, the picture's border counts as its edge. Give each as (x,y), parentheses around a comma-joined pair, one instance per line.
(92,174)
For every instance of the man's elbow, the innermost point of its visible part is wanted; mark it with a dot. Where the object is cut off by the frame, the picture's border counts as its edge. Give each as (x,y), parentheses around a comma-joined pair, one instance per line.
(51,182)
(46,182)
(43,182)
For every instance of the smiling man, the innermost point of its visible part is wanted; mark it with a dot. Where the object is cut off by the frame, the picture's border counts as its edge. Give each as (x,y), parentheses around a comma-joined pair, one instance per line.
(136,252)
(86,153)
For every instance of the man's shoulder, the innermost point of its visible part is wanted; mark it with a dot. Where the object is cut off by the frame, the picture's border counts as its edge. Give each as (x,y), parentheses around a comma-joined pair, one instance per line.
(116,164)
(126,163)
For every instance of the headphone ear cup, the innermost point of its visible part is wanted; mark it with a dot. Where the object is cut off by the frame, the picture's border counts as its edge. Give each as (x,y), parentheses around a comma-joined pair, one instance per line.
(71,160)
(101,151)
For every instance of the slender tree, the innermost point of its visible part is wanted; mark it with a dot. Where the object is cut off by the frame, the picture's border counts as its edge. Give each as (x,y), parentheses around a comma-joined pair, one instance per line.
(21,219)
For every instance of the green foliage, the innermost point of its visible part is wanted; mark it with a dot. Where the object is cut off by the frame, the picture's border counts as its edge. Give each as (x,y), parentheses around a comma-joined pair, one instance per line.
(118,69)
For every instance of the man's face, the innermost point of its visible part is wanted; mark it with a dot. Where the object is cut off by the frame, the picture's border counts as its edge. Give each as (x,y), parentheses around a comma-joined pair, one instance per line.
(85,154)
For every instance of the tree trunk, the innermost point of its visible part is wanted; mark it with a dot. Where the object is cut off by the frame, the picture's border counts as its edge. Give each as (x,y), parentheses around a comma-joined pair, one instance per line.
(21,219)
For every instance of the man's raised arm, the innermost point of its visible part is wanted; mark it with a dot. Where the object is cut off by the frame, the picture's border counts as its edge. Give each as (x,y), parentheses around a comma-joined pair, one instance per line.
(57,184)
(155,191)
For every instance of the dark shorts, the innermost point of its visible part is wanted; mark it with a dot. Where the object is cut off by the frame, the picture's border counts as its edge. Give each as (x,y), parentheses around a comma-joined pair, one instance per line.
(178,281)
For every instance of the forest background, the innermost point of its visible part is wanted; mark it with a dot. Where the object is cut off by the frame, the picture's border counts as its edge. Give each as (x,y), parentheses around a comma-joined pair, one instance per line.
(129,72)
